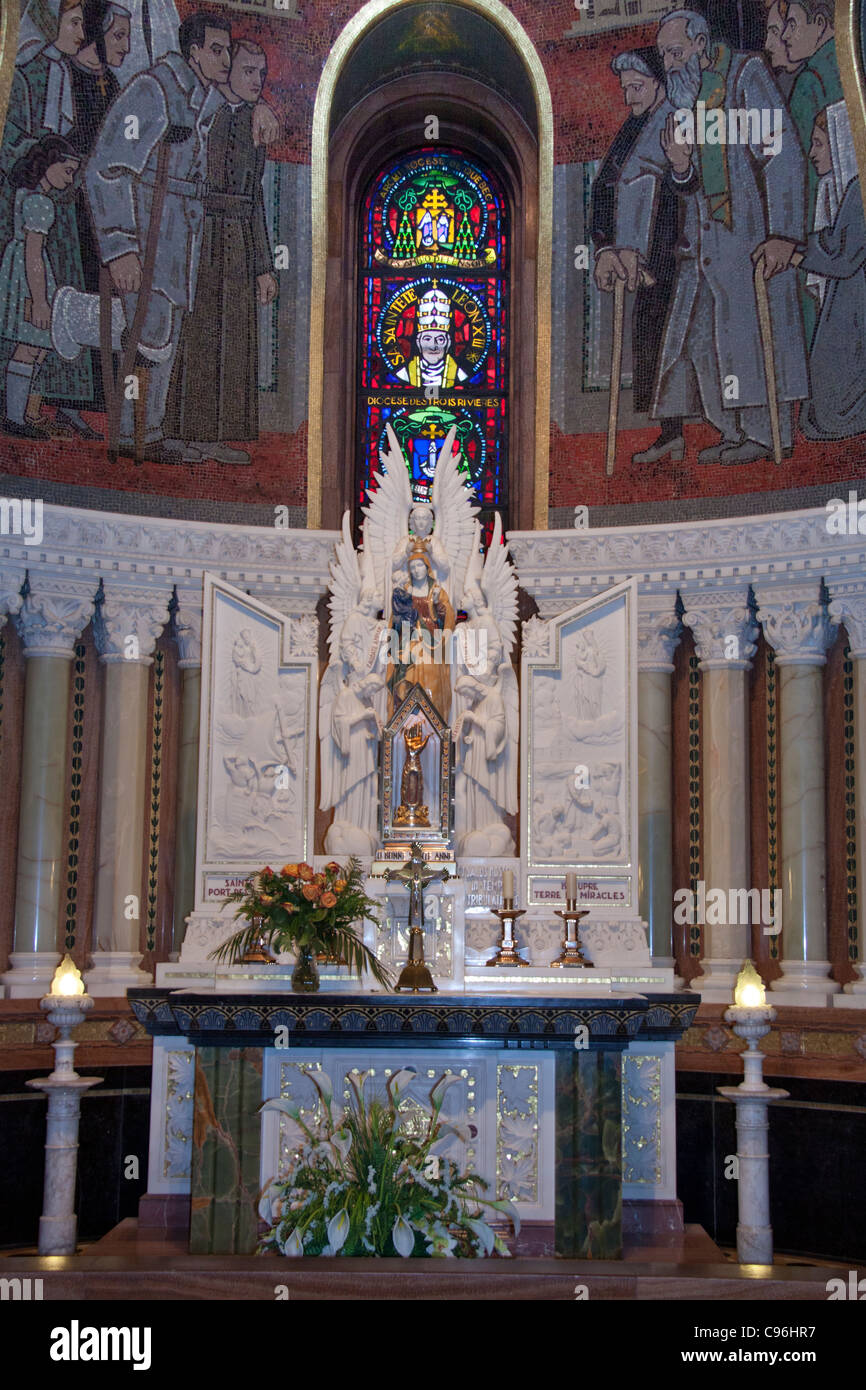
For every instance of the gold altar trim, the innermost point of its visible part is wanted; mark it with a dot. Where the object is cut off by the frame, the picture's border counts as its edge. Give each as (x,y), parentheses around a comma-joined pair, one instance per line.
(346,41)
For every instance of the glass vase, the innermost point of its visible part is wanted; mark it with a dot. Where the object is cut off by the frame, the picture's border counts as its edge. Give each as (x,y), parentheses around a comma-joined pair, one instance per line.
(305,976)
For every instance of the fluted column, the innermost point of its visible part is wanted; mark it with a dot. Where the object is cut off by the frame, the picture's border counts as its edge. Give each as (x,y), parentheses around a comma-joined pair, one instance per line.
(849,607)
(50,621)
(797,627)
(658,635)
(127,625)
(188,633)
(722,622)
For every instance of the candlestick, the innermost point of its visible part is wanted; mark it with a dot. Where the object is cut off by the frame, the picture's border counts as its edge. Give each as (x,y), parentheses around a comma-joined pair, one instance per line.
(507,951)
(571,956)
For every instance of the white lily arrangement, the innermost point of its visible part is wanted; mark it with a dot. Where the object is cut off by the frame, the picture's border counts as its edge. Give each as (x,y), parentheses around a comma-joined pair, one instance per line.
(360,1184)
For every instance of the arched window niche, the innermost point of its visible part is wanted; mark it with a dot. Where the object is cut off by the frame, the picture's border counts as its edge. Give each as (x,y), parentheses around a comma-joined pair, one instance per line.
(468,110)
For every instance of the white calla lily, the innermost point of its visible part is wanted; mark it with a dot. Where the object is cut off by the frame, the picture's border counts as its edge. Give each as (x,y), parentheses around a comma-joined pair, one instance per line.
(338,1230)
(342,1142)
(269,1195)
(294,1245)
(485,1234)
(403,1237)
(322,1083)
(400,1081)
(437,1094)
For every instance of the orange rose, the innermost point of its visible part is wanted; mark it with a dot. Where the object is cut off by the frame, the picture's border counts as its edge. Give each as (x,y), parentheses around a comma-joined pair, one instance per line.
(340,885)
(319,879)
(329,900)
(305,872)
(311,892)
(265,899)
(289,871)
(333,867)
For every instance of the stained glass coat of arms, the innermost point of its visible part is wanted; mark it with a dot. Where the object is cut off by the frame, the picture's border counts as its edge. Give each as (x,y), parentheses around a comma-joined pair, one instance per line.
(434,320)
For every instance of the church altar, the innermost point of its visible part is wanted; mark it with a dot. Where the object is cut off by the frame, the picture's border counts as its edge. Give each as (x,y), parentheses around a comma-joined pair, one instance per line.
(513,793)
(569,1102)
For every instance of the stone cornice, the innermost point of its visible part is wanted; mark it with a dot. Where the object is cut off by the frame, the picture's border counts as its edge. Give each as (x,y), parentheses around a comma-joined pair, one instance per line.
(559,568)
(284,566)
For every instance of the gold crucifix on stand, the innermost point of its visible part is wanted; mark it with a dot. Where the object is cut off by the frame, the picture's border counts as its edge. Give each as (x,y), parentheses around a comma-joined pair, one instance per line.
(416,873)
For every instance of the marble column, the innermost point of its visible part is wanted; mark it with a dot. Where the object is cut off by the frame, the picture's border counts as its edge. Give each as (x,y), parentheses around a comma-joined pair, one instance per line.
(797,627)
(849,607)
(127,625)
(722,622)
(50,621)
(658,635)
(188,633)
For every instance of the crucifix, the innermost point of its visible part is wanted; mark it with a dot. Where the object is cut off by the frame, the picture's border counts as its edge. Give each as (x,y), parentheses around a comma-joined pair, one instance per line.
(416,873)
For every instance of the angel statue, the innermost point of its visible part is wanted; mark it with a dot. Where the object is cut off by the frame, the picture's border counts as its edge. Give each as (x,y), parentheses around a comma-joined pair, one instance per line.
(486,707)
(351,705)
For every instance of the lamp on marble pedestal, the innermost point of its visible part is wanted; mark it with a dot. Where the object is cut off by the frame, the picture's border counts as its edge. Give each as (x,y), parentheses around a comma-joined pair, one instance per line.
(751,1018)
(65,1006)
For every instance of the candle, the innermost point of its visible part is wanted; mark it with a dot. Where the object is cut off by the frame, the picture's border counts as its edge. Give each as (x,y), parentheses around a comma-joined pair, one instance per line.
(507,885)
(571,887)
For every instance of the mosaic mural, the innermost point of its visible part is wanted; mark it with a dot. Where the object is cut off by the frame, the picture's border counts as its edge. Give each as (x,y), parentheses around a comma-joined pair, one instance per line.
(156,226)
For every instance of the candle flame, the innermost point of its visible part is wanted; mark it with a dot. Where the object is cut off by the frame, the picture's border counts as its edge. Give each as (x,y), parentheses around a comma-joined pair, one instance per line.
(749,992)
(67,979)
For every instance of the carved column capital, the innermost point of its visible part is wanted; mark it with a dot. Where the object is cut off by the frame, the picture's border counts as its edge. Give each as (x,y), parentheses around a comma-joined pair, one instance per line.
(52,617)
(795,623)
(128,623)
(724,626)
(658,633)
(187,631)
(848,606)
(11,584)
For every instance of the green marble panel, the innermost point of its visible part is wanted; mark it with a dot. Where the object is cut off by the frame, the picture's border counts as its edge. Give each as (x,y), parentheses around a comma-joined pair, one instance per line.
(588,1155)
(225,1150)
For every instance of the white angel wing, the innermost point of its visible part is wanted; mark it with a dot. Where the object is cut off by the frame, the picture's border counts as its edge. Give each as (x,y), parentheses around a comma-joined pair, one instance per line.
(511,696)
(499,582)
(387,513)
(330,758)
(455,515)
(345,586)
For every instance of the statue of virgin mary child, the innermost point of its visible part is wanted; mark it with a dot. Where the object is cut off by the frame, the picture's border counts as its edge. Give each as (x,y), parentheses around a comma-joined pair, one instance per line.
(420,609)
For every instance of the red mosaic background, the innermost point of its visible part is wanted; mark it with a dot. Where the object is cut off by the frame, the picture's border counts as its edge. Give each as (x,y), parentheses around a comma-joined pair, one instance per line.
(587,112)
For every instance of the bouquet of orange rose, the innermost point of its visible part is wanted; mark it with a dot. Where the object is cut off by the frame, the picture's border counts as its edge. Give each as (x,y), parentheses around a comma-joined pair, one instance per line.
(295,908)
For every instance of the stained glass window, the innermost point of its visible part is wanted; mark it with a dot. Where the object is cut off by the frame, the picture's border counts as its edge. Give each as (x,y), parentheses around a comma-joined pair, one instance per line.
(433,320)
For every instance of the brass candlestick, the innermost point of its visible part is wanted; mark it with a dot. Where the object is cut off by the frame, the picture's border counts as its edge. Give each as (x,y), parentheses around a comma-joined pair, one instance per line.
(571,956)
(258,953)
(507,951)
